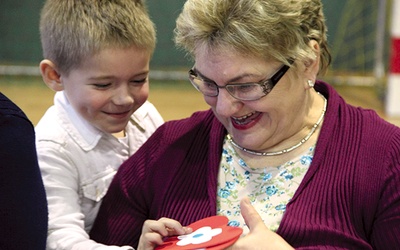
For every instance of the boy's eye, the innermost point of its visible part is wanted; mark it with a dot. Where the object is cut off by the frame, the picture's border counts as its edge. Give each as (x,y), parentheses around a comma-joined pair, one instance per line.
(139,81)
(102,85)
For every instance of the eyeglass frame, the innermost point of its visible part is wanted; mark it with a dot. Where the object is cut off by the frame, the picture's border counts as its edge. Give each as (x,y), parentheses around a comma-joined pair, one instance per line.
(267,84)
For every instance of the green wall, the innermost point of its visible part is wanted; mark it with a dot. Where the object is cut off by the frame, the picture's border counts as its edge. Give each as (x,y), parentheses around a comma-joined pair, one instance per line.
(164,13)
(350,23)
(19,35)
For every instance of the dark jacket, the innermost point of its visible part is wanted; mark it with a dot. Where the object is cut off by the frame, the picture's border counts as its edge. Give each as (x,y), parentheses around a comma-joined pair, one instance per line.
(23,205)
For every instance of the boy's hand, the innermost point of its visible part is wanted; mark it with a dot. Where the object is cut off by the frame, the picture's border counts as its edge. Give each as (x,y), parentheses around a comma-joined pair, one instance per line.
(154,231)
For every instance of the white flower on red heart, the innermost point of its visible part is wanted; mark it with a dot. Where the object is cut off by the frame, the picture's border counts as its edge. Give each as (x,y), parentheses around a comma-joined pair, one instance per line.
(199,236)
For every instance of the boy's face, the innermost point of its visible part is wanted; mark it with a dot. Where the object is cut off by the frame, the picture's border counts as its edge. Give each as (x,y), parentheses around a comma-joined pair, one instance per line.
(109,86)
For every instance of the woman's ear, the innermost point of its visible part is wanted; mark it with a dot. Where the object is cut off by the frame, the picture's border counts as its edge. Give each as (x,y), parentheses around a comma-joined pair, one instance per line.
(312,64)
(50,75)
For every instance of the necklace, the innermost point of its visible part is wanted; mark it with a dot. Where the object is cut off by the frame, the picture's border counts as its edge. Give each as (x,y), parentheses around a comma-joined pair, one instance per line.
(315,126)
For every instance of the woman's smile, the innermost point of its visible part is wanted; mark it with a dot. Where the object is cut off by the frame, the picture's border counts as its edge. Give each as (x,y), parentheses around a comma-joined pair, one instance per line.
(246,121)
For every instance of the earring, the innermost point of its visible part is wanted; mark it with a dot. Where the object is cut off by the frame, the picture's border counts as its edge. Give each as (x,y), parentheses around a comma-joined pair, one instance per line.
(310,83)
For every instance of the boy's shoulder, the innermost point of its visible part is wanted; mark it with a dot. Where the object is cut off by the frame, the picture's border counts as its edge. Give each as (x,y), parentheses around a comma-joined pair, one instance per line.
(147,109)
(61,124)
(49,127)
(147,115)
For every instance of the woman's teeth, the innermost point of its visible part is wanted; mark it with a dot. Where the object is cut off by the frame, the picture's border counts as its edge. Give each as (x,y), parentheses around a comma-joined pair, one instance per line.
(244,119)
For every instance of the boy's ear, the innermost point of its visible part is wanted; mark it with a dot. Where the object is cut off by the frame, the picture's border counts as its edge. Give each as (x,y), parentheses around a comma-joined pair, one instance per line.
(50,75)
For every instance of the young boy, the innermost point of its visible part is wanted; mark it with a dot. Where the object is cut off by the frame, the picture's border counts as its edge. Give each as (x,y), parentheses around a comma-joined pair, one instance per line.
(97,55)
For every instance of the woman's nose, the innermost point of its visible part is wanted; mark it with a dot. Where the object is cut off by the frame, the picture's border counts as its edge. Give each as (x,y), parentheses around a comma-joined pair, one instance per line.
(226,104)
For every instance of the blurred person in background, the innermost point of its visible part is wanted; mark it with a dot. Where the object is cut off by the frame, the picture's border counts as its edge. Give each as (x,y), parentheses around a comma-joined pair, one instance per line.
(23,205)
(279,153)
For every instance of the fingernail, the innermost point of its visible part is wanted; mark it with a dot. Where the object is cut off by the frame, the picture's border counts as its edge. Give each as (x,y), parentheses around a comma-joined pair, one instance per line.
(188,229)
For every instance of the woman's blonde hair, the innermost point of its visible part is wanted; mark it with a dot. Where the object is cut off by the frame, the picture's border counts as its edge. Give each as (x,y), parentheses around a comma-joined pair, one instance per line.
(272,29)
(72,30)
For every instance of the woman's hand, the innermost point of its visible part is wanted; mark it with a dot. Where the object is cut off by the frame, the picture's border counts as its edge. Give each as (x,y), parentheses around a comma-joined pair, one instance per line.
(259,237)
(154,231)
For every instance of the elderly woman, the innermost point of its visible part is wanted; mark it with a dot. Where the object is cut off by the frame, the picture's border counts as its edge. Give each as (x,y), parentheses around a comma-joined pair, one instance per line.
(280,153)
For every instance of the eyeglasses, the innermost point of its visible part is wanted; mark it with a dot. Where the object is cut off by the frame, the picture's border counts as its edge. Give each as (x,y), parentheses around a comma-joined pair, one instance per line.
(242,91)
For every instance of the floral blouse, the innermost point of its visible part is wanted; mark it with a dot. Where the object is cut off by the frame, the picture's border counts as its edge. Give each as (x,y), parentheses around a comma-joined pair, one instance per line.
(269,188)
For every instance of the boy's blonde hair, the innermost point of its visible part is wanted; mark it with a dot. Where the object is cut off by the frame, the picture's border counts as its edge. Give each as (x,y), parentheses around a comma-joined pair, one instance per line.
(271,29)
(72,30)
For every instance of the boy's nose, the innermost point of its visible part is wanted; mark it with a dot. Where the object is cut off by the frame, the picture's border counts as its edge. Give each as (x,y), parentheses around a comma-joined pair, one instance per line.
(123,96)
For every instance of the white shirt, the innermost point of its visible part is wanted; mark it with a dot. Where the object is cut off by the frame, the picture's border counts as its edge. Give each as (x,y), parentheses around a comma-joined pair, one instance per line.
(78,162)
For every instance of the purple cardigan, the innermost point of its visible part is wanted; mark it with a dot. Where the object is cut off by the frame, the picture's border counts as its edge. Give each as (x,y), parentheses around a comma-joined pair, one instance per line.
(349,198)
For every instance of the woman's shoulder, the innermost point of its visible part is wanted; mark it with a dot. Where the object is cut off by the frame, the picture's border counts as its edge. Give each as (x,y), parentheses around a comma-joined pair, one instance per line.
(196,118)
(374,124)
(342,114)
(372,127)
(200,125)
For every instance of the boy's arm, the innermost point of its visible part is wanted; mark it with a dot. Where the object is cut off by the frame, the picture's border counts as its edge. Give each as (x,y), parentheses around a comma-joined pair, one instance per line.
(66,220)
(126,204)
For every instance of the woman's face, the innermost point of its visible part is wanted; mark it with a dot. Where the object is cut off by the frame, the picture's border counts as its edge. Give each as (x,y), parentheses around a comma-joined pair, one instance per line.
(261,124)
